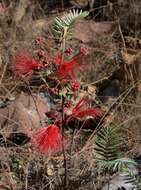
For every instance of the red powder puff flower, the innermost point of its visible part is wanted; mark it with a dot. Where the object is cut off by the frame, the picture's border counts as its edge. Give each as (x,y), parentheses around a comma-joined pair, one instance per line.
(92,112)
(67,69)
(82,110)
(81,105)
(48,139)
(23,64)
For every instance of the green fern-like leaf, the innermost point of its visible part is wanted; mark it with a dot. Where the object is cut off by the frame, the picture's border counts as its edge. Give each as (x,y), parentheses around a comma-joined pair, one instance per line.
(133,179)
(120,164)
(107,143)
(62,27)
(109,157)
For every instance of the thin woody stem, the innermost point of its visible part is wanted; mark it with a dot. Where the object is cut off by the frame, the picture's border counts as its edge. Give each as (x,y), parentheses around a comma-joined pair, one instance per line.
(63,149)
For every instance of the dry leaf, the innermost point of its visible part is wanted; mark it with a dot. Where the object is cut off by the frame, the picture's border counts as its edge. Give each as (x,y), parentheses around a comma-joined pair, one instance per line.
(129,58)
(91,89)
(20,10)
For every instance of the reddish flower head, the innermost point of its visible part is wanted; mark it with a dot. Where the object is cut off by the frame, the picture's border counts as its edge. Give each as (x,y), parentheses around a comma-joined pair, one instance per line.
(23,64)
(92,112)
(82,110)
(84,50)
(67,69)
(48,139)
(81,105)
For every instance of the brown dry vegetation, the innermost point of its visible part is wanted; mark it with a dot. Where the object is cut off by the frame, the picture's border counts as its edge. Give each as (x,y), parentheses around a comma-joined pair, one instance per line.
(112,32)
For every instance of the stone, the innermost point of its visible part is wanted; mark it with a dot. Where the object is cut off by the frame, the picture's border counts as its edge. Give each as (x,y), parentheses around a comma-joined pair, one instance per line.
(24,115)
(92,30)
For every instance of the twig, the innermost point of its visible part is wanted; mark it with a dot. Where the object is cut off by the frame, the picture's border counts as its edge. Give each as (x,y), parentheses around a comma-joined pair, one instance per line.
(62,4)
(3,73)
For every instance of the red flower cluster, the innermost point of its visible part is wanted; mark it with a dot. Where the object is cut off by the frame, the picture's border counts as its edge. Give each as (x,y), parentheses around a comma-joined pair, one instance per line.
(40,40)
(68,104)
(75,86)
(84,50)
(23,64)
(48,139)
(68,51)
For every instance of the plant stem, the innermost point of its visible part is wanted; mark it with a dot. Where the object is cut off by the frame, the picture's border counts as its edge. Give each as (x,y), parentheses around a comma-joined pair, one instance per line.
(62,4)
(63,149)
(108,182)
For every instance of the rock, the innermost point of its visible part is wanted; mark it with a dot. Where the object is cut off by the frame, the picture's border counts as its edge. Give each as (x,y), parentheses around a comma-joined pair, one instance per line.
(119,180)
(129,14)
(79,3)
(83,3)
(25,114)
(118,183)
(31,110)
(109,91)
(92,30)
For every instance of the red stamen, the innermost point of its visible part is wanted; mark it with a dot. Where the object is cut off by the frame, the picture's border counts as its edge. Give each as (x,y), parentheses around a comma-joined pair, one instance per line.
(23,64)
(48,139)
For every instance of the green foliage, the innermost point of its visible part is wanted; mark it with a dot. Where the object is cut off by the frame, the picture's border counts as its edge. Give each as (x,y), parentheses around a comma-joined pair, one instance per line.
(107,143)
(120,164)
(18,162)
(109,157)
(133,179)
(62,27)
